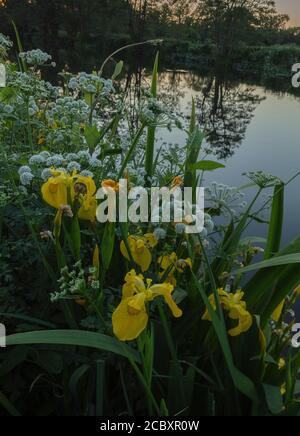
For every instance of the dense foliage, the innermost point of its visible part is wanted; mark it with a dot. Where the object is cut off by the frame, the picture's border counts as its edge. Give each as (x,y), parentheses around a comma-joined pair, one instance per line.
(132,318)
(82,32)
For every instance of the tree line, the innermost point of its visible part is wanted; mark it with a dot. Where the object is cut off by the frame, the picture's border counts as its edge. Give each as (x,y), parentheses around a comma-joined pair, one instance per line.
(92,28)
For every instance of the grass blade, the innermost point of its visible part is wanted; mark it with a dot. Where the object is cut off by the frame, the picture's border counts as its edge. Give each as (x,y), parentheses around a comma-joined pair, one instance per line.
(79,338)
(276,222)
(149,162)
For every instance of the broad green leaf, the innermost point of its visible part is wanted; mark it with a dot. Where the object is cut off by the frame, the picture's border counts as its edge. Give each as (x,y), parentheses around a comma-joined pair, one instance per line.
(268,287)
(118,70)
(273,398)
(78,338)
(91,135)
(194,144)
(206,165)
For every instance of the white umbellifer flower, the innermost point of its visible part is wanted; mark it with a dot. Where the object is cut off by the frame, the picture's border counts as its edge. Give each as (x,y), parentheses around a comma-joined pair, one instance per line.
(71,157)
(87,173)
(46,174)
(55,160)
(73,166)
(95,163)
(8,109)
(84,154)
(36,159)
(204,233)
(180,228)
(26,178)
(45,154)
(160,233)
(24,169)
(209,225)
(35,57)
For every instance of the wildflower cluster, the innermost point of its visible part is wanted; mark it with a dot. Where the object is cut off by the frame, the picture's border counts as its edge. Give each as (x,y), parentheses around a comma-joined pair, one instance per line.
(91,84)
(36,57)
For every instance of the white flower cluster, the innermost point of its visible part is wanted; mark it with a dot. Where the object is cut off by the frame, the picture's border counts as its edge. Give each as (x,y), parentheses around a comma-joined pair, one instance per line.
(91,83)
(5,45)
(67,111)
(74,283)
(26,175)
(36,57)
(31,85)
(5,41)
(41,164)
(154,112)
(263,179)
(227,199)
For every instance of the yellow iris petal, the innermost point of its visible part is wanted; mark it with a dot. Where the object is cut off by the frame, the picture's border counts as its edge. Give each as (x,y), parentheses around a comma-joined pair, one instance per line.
(139,251)
(55,192)
(166,291)
(87,212)
(245,323)
(150,239)
(130,318)
(236,309)
(278,311)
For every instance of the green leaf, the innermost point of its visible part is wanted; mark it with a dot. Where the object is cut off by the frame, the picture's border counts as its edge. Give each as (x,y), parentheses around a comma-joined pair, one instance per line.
(92,136)
(108,243)
(206,165)
(273,398)
(253,240)
(149,159)
(20,46)
(194,144)
(75,379)
(276,222)
(118,70)
(8,406)
(268,287)
(28,319)
(78,338)
(76,237)
(275,261)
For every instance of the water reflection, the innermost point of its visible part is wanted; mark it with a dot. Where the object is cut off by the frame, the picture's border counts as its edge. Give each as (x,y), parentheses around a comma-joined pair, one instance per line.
(225,108)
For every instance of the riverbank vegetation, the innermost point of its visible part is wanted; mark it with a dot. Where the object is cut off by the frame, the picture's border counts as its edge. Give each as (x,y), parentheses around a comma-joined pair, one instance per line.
(133,318)
(240,35)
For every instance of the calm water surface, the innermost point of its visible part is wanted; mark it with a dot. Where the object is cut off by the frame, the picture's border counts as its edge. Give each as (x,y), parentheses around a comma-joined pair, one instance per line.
(249,127)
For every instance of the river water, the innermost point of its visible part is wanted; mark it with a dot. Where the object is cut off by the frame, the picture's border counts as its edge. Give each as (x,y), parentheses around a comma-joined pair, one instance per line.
(250,127)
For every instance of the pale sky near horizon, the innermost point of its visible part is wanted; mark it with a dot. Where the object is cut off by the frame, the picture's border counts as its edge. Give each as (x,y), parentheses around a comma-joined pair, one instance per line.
(292,8)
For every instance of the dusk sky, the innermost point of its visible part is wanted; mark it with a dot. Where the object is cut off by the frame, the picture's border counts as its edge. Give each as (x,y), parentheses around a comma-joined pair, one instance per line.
(291,7)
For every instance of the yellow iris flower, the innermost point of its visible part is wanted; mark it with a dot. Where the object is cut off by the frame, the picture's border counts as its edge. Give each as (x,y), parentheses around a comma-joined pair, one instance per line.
(276,315)
(177,181)
(131,318)
(172,264)
(55,190)
(236,308)
(139,247)
(62,188)
(110,184)
(85,188)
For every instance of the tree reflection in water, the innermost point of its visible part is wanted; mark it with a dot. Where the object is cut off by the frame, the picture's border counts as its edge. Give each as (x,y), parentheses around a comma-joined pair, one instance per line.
(225,108)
